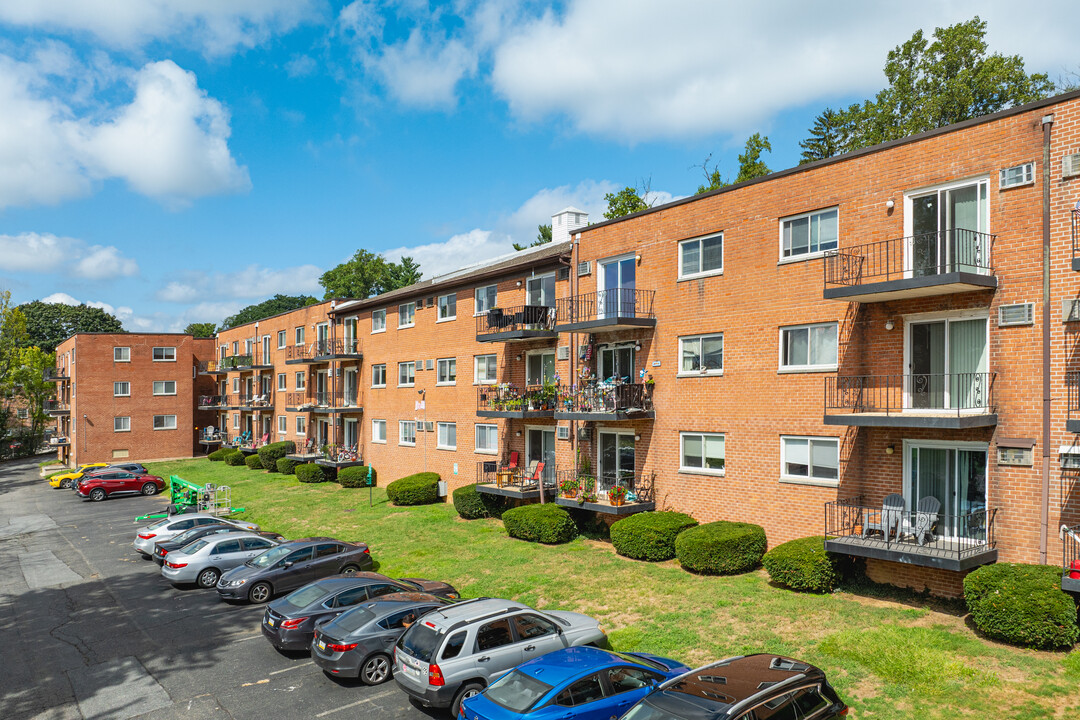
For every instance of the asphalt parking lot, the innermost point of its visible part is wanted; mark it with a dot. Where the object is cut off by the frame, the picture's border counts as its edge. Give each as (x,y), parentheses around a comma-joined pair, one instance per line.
(88,629)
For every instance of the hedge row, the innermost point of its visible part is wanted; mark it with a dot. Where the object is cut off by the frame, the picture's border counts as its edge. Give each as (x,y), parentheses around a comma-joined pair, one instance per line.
(219,454)
(546,523)
(356,477)
(1022,604)
(721,548)
(310,473)
(253,462)
(649,535)
(804,565)
(234,457)
(472,505)
(418,489)
(270,454)
(287,466)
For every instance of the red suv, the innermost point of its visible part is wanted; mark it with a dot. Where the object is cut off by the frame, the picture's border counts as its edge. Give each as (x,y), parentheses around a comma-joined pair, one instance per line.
(118,482)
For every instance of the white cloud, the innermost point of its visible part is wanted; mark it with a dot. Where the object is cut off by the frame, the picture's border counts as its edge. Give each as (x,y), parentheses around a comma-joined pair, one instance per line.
(253,281)
(300,66)
(46,253)
(178,293)
(60,297)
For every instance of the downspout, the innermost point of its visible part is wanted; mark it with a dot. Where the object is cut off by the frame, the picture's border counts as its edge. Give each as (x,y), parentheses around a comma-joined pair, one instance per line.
(572,342)
(1044,506)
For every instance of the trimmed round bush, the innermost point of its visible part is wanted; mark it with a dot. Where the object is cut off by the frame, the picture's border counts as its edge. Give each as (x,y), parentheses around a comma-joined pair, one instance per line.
(356,477)
(270,454)
(1022,604)
(287,466)
(473,505)
(649,535)
(309,473)
(721,548)
(804,565)
(219,454)
(418,489)
(546,523)
(253,462)
(235,458)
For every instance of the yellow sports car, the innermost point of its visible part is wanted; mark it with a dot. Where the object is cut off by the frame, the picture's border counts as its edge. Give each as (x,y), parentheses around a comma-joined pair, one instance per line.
(65,480)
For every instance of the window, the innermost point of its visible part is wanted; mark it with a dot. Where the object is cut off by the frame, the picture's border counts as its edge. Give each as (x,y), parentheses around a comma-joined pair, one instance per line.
(378,431)
(810,458)
(378,321)
(301,380)
(236,385)
(581,692)
(453,646)
(164,354)
(702,453)
(121,389)
(406,315)
(301,425)
(298,337)
(486,298)
(164,387)
(282,424)
(121,424)
(487,439)
(378,375)
(406,374)
(809,234)
(281,339)
(626,679)
(447,436)
(236,421)
(485,372)
(406,432)
(23,413)
(808,347)
(702,354)
(282,378)
(701,256)
(447,371)
(493,634)
(447,307)
(531,626)
(236,348)
(164,422)
(121,354)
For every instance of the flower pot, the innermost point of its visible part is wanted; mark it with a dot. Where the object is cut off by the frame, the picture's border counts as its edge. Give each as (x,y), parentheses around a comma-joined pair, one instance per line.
(617,501)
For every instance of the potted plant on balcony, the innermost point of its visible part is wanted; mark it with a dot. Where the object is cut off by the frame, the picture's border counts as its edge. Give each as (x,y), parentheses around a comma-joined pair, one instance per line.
(588,491)
(617,495)
(548,394)
(569,487)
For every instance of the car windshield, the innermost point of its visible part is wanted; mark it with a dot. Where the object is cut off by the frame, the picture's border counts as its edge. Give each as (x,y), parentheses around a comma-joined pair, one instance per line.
(645,711)
(271,556)
(409,584)
(516,691)
(192,548)
(420,641)
(354,619)
(638,660)
(307,595)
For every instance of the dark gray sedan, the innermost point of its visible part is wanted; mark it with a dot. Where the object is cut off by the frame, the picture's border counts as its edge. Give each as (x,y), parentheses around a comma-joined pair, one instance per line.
(360,642)
(290,622)
(292,565)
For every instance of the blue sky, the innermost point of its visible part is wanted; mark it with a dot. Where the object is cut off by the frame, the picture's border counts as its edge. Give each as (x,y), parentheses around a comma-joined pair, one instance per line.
(175,160)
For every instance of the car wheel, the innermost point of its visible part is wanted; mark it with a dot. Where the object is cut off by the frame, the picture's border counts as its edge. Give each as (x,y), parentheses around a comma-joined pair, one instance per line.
(65,484)
(149,489)
(467,691)
(375,670)
(349,570)
(208,578)
(259,593)
(97,495)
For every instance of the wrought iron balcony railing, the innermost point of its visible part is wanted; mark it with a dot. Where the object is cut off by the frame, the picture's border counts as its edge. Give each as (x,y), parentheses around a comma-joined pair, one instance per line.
(217,401)
(923,255)
(300,399)
(327,349)
(492,399)
(604,398)
(607,488)
(614,305)
(500,474)
(54,374)
(522,321)
(257,400)
(929,392)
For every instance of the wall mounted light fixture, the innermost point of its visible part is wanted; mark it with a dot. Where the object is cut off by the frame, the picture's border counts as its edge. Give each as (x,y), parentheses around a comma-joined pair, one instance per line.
(889,324)
(890,204)
(890,449)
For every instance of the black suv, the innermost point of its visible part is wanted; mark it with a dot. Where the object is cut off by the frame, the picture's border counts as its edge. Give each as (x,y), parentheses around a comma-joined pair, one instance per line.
(751,687)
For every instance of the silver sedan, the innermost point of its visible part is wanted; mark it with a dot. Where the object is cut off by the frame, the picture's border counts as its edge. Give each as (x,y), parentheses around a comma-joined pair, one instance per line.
(203,561)
(169,527)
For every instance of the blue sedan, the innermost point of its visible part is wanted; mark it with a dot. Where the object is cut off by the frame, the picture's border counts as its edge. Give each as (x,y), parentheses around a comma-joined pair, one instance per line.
(578,683)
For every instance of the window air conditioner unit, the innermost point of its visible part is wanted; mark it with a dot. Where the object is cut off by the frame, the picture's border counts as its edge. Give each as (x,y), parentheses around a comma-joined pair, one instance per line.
(1018,314)
(584,267)
(1016,176)
(562,273)
(584,433)
(418,364)
(562,352)
(430,365)
(1070,165)
(562,432)
(429,426)
(1070,310)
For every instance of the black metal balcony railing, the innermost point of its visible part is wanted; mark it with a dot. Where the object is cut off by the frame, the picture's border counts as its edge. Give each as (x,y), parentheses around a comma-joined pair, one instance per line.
(926,254)
(524,318)
(1074,217)
(300,399)
(607,488)
(54,374)
(511,398)
(500,474)
(300,353)
(604,398)
(336,399)
(336,348)
(210,367)
(612,304)
(56,406)
(256,400)
(1072,391)
(216,401)
(342,454)
(890,394)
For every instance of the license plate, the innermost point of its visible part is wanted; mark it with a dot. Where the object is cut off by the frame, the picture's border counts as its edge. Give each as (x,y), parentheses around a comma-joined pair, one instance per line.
(270,622)
(322,645)
(415,672)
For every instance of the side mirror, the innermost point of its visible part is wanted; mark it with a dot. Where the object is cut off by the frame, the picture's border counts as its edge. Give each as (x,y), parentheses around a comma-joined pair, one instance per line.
(287,564)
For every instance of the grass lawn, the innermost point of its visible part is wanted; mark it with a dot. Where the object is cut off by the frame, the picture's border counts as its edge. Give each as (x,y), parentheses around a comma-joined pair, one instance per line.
(887,658)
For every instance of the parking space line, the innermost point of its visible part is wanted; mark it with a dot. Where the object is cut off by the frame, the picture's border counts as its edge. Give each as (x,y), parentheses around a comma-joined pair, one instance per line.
(249,637)
(376,696)
(294,667)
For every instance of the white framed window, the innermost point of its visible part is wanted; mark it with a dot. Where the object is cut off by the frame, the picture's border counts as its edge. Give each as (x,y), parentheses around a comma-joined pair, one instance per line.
(121,424)
(700,257)
(1017,175)
(282,424)
(121,354)
(447,371)
(22,413)
(301,425)
(809,235)
(701,355)
(265,359)
(447,307)
(485,370)
(808,348)
(282,338)
(487,439)
(164,354)
(236,421)
(378,431)
(282,379)
(812,460)
(406,432)
(164,387)
(298,335)
(164,422)
(378,321)
(406,374)
(301,380)
(236,385)
(236,347)
(406,315)
(486,298)
(121,389)
(446,436)
(701,453)
(378,375)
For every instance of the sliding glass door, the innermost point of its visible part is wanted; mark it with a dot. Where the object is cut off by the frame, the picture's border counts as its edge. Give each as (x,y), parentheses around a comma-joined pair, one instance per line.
(616,295)
(948,362)
(948,230)
(956,476)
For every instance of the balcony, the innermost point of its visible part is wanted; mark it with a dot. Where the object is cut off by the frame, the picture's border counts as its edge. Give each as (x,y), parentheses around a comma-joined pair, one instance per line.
(510,401)
(59,441)
(337,456)
(57,407)
(497,478)
(325,350)
(214,402)
(526,322)
(605,401)
(1070,560)
(621,494)
(606,310)
(300,354)
(254,403)
(211,367)
(942,401)
(1072,387)
(338,401)
(307,451)
(937,263)
(953,542)
(55,374)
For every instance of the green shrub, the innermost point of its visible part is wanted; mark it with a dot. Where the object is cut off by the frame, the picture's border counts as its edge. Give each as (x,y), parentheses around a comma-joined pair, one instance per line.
(649,535)
(287,466)
(356,477)
(721,548)
(219,454)
(309,473)
(472,505)
(234,457)
(253,462)
(1022,604)
(418,489)
(803,564)
(546,523)
(270,454)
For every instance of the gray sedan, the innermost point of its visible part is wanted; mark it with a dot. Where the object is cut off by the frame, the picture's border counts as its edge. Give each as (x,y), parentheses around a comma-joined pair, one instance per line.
(203,561)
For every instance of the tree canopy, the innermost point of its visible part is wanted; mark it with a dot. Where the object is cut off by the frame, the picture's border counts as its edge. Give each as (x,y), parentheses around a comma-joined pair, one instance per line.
(366,274)
(27,381)
(750,165)
(543,237)
(275,305)
(201,330)
(624,202)
(49,324)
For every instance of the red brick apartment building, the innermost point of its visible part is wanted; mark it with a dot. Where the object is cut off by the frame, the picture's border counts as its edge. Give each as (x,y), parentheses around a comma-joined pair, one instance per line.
(882,347)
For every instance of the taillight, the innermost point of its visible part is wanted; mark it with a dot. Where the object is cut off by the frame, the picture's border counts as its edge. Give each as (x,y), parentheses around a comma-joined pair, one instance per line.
(144,536)
(161,551)
(367,551)
(175,566)
(435,676)
(341,648)
(293,623)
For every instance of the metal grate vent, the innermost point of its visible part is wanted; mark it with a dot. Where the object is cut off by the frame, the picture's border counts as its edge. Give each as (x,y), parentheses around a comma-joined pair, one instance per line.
(562,273)
(1018,314)
(430,364)
(562,352)
(1070,310)
(584,267)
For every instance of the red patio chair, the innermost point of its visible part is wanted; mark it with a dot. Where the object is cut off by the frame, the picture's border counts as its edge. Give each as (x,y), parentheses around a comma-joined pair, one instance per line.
(537,473)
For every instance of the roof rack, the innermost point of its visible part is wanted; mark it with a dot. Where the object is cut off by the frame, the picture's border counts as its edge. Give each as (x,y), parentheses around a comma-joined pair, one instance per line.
(746,703)
(718,663)
(475,618)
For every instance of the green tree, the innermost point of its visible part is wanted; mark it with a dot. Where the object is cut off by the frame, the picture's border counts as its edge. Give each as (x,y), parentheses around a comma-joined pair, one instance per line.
(12,337)
(366,274)
(201,330)
(827,138)
(275,305)
(27,381)
(49,324)
(624,202)
(543,237)
(713,179)
(401,274)
(750,163)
